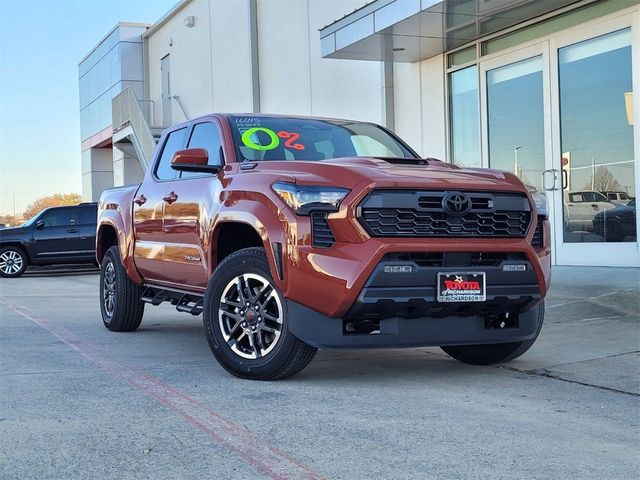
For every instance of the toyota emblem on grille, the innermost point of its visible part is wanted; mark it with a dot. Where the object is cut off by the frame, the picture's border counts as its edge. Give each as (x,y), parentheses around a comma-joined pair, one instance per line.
(456,203)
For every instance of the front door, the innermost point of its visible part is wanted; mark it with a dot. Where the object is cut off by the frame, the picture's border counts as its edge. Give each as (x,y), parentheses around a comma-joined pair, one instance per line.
(516,99)
(56,235)
(595,147)
(186,216)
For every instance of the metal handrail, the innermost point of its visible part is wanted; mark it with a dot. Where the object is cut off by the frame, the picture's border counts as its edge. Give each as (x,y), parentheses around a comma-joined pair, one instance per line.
(126,111)
(179,102)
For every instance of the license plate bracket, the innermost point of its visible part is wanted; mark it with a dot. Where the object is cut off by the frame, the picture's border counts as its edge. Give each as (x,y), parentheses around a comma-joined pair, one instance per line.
(461,287)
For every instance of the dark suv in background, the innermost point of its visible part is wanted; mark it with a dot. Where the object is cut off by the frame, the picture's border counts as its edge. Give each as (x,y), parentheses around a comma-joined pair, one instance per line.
(56,235)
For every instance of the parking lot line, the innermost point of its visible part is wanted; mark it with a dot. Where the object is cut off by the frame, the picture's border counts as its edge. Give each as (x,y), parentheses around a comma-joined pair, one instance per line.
(266,458)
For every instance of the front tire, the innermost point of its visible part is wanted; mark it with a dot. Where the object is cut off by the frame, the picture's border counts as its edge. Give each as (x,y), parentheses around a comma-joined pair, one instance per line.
(245,320)
(497,352)
(120,302)
(13,261)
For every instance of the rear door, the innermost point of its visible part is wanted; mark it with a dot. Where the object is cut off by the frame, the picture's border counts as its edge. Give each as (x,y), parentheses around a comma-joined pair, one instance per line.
(195,200)
(87,231)
(148,210)
(56,235)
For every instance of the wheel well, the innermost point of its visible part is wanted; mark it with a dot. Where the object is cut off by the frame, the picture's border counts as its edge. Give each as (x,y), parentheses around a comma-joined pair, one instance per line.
(233,237)
(19,245)
(107,239)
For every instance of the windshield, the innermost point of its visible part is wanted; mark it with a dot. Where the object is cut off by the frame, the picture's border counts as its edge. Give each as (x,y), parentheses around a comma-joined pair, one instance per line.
(274,138)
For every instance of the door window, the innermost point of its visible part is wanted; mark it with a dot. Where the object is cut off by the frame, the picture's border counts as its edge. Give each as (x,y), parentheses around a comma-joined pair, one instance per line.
(89,215)
(61,217)
(175,141)
(464,118)
(207,136)
(595,77)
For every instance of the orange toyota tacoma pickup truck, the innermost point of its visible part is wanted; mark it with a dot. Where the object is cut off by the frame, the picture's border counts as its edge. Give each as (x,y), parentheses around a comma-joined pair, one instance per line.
(290,234)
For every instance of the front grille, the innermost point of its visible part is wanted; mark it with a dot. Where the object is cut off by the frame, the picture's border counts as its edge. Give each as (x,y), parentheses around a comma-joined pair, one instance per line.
(466,259)
(321,235)
(408,213)
(538,236)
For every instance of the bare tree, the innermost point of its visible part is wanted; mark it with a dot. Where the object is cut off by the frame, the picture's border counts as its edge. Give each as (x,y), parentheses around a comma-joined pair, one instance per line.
(604,181)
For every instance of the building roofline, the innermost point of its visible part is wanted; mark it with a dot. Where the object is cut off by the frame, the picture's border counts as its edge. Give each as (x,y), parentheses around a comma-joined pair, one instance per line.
(117,25)
(355,15)
(166,17)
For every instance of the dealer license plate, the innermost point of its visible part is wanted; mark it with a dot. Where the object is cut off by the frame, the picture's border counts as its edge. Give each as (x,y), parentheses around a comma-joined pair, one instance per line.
(462,287)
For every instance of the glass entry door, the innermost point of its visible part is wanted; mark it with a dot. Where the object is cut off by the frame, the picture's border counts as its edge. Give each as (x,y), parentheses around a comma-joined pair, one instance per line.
(516,124)
(596,151)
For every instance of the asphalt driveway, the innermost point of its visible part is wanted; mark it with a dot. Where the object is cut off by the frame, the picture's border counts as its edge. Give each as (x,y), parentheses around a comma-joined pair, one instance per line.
(77,401)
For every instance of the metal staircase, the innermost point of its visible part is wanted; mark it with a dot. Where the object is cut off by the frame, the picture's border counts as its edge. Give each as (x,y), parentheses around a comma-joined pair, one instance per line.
(131,131)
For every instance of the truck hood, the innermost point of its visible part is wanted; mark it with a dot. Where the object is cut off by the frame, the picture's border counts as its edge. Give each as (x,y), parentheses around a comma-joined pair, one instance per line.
(365,172)
(13,232)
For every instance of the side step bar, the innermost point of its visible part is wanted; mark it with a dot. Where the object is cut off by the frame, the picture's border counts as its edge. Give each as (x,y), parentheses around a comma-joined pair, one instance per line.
(183,301)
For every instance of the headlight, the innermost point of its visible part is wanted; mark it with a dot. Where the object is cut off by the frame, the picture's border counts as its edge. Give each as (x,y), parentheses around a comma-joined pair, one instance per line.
(542,204)
(304,199)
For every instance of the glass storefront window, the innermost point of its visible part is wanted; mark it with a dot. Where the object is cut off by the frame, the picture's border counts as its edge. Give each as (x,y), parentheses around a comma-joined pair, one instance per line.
(464,118)
(515,113)
(595,77)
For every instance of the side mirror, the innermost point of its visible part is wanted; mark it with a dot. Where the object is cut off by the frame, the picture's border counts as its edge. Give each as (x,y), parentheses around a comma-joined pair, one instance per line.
(193,160)
(40,224)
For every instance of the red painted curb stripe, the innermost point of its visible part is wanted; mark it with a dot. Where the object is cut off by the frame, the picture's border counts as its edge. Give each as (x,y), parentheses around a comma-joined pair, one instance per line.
(265,457)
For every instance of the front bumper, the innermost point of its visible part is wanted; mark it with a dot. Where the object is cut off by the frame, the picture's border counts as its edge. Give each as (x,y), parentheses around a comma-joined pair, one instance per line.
(398,307)
(321,331)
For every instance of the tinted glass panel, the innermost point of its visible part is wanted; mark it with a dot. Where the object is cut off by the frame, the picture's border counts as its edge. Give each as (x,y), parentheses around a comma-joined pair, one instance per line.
(463,113)
(597,140)
(207,136)
(175,141)
(272,138)
(61,217)
(516,120)
(89,215)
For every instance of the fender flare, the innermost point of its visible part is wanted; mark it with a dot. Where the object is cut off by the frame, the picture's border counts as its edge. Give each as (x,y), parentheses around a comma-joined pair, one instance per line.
(270,227)
(111,219)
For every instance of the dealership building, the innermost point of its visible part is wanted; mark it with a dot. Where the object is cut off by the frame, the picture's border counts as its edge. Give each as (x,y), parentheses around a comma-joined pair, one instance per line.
(541,88)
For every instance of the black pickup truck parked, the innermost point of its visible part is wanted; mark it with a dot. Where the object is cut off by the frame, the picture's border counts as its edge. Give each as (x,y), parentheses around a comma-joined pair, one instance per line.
(56,235)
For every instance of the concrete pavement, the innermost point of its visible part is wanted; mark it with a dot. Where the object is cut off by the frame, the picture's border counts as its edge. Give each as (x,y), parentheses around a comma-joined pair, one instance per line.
(77,401)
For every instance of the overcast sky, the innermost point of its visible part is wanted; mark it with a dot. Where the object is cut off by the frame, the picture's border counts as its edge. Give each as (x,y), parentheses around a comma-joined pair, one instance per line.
(41,43)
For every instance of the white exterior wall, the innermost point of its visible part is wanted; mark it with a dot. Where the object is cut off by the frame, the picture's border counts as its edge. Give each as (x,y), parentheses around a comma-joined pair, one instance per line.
(420,105)
(211,63)
(190,62)
(97,172)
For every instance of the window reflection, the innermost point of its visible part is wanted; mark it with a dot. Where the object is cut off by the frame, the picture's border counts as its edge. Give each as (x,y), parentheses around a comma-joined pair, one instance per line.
(465,140)
(597,140)
(515,112)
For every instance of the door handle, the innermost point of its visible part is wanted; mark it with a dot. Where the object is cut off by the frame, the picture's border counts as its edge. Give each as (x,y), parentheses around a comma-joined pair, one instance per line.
(170,198)
(72,230)
(141,200)
(544,179)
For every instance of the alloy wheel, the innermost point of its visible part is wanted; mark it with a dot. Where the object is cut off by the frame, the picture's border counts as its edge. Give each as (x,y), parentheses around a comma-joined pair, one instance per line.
(250,316)
(109,289)
(11,262)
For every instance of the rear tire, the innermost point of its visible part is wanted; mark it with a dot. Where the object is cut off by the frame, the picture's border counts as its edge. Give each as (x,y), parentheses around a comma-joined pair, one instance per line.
(245,320)
(13,261)
(120,302)
(497,352)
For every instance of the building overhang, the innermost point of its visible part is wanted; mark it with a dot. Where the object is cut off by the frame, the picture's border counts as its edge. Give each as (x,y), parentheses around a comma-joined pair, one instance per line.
(414,30)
